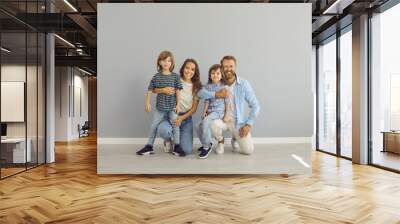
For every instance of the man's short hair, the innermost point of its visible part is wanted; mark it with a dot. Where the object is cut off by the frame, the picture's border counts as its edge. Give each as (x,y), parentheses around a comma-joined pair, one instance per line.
(228,57)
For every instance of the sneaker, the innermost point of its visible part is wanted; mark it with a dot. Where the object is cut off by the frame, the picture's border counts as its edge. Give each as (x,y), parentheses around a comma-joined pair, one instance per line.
(168,146)
(235,145)
(146,150)
(178,151)
(220,147)
(200,149)
(204,152)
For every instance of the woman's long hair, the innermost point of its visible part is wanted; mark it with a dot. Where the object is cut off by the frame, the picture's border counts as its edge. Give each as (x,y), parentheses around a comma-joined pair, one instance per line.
(196,77)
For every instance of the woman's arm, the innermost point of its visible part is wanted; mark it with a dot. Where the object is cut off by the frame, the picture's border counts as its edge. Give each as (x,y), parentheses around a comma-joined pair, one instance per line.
(178,100)
(189,113)
(192,110)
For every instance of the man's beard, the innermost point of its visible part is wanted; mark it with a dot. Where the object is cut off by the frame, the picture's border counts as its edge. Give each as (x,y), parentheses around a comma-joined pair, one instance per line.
(230,75)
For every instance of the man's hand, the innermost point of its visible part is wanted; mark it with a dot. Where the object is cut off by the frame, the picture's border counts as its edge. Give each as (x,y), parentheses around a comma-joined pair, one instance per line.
(244,130)
(168,90)
(148,107)
(222,93)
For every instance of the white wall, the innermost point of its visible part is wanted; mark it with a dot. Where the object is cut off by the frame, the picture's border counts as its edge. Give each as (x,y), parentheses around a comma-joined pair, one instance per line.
(80,83)
(17,72)
(67,80)
(34,126)
(272,43)
(61,103)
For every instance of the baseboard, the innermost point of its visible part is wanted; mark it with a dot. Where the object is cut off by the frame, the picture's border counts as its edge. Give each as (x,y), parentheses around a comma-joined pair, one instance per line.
(196,141)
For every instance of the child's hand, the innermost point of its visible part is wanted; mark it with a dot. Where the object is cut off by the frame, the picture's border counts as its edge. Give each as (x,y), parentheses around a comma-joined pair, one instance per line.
(169,90)
(176,109)
(148,107)
(204,116)
(227,119)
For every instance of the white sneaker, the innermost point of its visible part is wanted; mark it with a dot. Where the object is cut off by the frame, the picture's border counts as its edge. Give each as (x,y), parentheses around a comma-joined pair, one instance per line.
(168,146)
(220,147)
(235,145)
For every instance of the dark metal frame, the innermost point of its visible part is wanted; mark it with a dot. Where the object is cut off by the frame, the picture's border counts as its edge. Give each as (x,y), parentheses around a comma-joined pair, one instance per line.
(369,82)
(316,97)
(381,9)
(338,153)
(338,98)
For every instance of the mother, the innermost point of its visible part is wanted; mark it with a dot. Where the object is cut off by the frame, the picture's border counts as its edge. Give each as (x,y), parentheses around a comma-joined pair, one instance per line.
(190,77)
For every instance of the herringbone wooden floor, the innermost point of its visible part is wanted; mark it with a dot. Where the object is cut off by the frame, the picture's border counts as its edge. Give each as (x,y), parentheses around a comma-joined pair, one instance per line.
(70,191)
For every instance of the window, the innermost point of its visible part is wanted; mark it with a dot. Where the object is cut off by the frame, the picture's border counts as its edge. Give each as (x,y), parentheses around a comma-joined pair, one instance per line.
(327,96)
(346,93)
(385,89)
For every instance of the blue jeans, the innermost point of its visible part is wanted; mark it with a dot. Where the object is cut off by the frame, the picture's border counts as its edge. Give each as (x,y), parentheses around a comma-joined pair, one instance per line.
(205,128)
(186,133)
(158,117)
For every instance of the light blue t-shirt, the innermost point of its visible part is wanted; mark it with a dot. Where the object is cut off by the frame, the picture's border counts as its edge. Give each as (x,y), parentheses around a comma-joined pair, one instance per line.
(215,104)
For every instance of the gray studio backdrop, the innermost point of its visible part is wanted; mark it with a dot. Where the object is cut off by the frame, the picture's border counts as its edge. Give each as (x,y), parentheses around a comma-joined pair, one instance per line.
(272,43)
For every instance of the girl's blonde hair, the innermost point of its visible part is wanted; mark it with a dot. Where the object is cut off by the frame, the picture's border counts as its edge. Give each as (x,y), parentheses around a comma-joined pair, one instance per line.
(162,56)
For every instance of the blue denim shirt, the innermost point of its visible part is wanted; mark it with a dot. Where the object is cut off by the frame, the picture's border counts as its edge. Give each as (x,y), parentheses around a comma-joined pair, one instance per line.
(243,92)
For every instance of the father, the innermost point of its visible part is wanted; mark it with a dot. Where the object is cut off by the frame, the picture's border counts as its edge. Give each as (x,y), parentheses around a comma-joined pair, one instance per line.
(241,123)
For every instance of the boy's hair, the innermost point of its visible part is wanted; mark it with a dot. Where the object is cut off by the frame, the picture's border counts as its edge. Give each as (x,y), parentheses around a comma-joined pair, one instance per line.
(215,67)
(162,56)
(228,57)
(196,77)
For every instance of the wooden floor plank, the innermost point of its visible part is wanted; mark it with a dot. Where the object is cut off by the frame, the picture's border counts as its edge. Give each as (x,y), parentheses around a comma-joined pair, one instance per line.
(70,191)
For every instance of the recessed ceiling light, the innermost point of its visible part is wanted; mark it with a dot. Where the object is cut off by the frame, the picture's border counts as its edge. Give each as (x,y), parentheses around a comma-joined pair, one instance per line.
(337,7)
(64,40)
(70,5)
(5,49)
(84,71)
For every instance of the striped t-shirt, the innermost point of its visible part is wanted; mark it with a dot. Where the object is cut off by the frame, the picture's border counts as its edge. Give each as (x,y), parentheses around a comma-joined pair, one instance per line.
(165,102)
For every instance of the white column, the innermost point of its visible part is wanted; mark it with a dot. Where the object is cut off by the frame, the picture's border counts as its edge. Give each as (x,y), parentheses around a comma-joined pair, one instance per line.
(360,90)
(50,110)
(50,92)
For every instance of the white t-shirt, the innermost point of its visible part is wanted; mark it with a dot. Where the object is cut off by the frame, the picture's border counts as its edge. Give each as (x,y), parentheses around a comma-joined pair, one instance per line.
(186,99)
(231,101)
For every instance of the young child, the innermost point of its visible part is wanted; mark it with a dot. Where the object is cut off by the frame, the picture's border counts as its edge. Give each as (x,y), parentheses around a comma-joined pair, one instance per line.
(166,105)
(216,108)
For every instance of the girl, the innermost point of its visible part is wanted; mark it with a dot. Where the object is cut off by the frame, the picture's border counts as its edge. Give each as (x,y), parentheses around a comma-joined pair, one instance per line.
(166,106)
(188,102)
(215,108)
